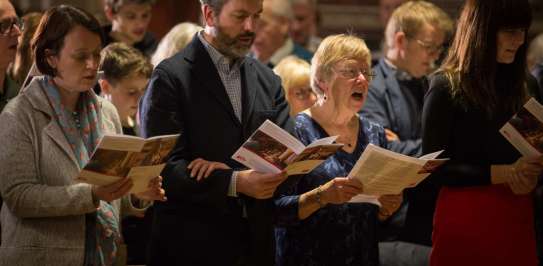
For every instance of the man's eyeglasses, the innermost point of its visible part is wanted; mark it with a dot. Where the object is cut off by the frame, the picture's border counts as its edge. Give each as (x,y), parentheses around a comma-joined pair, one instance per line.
(352,73)
(6,26)
(430,47)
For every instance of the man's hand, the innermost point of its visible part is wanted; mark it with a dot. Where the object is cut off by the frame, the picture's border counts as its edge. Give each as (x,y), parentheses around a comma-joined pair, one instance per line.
(258,185)
(201,168)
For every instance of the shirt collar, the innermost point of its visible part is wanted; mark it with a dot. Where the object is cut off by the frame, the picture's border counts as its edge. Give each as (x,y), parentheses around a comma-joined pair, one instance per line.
(217,57)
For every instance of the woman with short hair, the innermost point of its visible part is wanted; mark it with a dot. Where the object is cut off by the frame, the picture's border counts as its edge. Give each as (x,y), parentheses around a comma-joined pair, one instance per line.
(316,224)
(55,124)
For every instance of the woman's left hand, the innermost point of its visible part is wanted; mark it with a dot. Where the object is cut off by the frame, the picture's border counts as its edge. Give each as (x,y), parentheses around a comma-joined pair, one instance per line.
(154,191)
(390,204)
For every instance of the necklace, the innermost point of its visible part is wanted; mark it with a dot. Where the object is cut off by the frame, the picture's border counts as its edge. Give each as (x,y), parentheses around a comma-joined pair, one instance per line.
(77,122)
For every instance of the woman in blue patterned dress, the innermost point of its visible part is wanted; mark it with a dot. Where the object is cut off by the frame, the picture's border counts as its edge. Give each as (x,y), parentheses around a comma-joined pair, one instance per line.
(316,225)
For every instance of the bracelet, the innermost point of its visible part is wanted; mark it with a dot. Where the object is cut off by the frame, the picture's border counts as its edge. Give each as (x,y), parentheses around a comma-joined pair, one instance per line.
(318,196)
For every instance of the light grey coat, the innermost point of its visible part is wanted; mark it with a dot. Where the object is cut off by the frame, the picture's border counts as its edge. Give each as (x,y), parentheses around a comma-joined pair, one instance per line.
(43,215)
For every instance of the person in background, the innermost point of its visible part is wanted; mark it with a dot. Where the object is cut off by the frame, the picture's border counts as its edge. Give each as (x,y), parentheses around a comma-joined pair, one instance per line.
(304,24)
(414,38)
(535,52)
(315,223)
(484,212)
(216,97)
(272,41)
(55,123)
(125,74)
(386,7)
(535,59)
(295,74)
(129,24)
(11,27)
(24,58)
(174,41)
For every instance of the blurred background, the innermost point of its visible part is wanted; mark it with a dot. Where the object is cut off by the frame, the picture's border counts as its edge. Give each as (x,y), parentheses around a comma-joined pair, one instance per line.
(335,16)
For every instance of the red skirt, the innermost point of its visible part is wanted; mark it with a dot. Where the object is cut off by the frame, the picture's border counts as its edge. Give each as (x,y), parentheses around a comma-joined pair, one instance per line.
(484,225)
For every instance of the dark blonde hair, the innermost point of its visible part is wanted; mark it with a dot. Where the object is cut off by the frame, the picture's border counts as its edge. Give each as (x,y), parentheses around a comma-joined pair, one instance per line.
(411,16)
(470,65)
(119,61)
(115,5)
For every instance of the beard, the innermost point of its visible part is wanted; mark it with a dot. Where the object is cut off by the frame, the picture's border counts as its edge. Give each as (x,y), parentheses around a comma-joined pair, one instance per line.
(232,47)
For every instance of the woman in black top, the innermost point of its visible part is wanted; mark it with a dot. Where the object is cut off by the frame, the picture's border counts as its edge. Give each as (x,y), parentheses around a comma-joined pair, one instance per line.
(484,212)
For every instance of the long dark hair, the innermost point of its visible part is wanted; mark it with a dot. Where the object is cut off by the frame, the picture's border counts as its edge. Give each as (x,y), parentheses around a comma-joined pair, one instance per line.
(471,64)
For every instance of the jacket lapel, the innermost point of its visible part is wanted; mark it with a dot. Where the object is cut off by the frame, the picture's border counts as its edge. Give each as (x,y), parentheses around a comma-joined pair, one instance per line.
(39,101)
(207,74)
(249,87)
(394,93)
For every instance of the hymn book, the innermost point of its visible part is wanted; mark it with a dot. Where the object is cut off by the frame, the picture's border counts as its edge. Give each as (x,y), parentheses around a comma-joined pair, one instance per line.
(120,156)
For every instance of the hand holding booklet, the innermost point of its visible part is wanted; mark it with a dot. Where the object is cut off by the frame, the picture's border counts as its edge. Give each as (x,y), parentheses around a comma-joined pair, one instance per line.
(525,129)
(384,172)
(120,156)
(270,149)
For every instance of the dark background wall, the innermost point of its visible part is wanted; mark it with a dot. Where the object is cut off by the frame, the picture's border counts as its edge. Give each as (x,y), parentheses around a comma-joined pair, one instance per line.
(337,16)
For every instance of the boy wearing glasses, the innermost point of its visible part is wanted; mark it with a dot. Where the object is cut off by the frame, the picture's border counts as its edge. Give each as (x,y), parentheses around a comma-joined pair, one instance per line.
(414,38)
(129,22)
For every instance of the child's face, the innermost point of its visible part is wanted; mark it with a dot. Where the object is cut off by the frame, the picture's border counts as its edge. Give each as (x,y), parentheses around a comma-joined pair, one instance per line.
(126,93)
(132,20)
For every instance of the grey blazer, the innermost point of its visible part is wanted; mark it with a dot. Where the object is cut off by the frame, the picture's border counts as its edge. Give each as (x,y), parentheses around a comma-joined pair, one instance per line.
(43,215)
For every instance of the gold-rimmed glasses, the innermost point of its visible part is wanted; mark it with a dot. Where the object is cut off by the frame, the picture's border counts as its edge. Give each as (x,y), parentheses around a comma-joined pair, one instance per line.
(430,47)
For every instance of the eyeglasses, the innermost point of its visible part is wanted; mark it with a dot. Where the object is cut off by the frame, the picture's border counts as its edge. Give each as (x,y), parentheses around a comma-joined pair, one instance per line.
(6,26)
(352,73)
(303,93)
(430,47)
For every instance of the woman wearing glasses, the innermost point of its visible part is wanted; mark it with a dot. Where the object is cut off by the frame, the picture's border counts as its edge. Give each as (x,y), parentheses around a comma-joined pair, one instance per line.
(315,224)
(484,212)
(50,130)
(294,73)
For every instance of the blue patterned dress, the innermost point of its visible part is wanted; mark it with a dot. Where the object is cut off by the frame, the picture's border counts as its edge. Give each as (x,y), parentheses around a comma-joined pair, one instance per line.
(335,235)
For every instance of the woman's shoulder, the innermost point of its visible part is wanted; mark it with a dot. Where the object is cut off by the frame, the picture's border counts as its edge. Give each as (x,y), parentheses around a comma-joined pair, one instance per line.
(440,83)
(306,128)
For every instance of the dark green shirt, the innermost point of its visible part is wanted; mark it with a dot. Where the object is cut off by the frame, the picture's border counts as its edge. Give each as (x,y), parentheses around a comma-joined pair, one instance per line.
(11,89)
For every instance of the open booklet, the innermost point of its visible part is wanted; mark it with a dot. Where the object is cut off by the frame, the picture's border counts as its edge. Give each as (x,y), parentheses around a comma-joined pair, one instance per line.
(525,129)
(270,149)
(384,172)
(119,156)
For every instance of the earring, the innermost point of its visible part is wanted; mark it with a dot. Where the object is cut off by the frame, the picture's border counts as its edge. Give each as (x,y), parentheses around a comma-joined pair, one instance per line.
(325,97)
